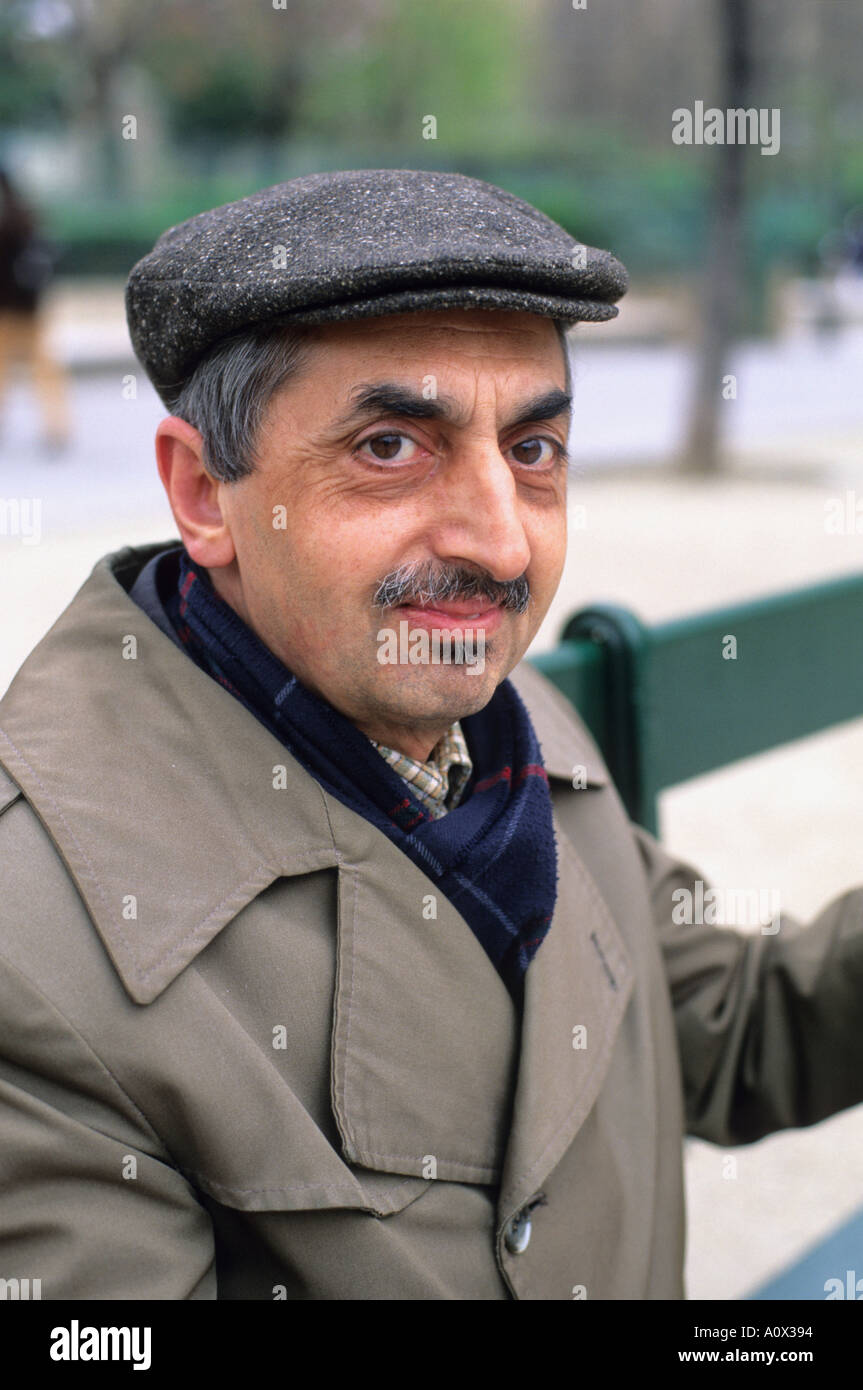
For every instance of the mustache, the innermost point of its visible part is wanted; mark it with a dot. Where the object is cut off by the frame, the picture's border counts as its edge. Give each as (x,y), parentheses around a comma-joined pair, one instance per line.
(425,584)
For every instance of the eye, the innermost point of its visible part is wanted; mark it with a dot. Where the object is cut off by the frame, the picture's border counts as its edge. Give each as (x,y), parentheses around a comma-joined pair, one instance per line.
(538,453)
(390,448)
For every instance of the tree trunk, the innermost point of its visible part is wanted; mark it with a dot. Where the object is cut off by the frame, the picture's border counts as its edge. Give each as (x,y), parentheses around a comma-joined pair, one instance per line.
(724,266)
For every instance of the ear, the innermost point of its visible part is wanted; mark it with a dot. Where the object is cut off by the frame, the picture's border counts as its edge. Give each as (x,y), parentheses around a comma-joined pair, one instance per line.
(195,496)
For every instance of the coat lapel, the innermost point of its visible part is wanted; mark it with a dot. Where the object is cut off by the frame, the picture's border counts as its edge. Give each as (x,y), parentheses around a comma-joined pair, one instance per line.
(425,1034)
(577,990)
(578,984)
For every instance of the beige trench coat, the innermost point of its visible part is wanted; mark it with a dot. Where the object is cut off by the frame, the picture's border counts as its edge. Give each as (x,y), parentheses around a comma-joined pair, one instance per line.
(242,1059)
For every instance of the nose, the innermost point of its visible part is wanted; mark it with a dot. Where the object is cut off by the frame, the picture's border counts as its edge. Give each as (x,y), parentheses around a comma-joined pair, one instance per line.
(480,518)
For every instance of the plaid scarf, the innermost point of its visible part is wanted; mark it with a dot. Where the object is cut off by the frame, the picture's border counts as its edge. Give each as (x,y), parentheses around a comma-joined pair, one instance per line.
(493,856)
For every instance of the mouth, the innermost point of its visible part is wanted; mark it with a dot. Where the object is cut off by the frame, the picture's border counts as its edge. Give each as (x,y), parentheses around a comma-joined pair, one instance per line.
(469,614)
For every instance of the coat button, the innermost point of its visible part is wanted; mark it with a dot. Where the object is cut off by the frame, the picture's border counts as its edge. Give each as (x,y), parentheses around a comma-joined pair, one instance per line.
(516,1232)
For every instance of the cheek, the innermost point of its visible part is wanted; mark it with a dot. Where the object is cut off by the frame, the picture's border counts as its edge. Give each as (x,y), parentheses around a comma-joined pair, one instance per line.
(346,547)
(293,536)
(548,550)
(557,558)
(319,576)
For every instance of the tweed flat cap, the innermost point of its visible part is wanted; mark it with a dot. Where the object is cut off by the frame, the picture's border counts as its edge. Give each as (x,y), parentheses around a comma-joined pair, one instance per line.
(355,244)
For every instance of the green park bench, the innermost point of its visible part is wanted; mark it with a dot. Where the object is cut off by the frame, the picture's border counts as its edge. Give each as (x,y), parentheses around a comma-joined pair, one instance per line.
(679,699)
(671,702)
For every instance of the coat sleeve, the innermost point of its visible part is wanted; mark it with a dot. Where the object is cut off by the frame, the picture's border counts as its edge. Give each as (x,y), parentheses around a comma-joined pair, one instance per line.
(769,1023)
(90,1203)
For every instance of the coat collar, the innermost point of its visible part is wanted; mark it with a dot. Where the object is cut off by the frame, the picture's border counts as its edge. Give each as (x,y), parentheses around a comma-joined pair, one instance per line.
(157,788)
(155,784)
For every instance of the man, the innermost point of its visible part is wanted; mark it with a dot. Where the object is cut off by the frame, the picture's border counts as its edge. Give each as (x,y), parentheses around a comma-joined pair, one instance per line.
(323,976)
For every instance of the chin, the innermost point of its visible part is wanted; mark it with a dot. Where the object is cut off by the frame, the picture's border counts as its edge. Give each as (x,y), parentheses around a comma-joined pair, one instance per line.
(453,695)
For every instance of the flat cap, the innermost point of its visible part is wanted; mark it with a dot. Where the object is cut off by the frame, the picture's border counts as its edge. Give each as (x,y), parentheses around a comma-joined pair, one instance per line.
(355,244)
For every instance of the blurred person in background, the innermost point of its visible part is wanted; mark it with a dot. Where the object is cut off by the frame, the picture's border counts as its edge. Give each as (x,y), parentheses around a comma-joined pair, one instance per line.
(26,266)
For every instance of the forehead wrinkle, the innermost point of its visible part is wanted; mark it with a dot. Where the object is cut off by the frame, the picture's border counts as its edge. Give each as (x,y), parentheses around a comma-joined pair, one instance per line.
(440,322)
(523,340)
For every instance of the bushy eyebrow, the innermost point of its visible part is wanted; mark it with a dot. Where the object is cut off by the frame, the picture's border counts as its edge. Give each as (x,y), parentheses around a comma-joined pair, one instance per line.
(389,398)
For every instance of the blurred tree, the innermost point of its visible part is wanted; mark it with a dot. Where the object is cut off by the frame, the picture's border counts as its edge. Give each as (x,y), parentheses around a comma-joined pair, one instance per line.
(64,58)
(225,71)
(29,92)
(231,72)
(471,66)
(724,266)
(570,107)
(105,36)
(233,75)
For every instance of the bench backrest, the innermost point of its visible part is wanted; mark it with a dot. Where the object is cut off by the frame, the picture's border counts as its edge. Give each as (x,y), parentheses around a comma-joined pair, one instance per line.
(669,702)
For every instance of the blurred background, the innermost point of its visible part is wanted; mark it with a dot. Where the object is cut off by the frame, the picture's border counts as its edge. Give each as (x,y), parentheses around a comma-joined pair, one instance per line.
(719,419)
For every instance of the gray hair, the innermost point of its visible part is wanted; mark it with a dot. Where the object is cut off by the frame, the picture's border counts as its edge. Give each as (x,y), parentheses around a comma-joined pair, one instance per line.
(230,388)
(227,393)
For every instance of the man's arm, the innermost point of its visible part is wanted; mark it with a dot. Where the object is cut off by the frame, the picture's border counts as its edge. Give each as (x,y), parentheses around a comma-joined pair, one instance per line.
(770,1025)
(90,1203)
